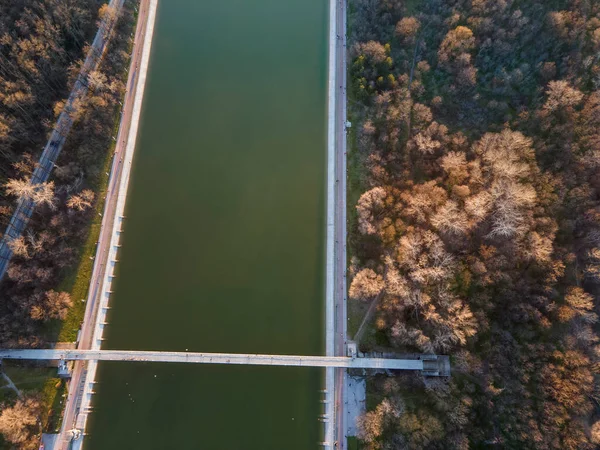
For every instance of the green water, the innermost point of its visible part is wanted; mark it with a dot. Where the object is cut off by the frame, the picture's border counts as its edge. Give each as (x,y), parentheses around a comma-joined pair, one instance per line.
(224,240)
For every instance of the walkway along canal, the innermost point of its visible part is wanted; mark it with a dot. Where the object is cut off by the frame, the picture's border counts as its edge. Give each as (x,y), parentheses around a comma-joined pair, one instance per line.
(223,245)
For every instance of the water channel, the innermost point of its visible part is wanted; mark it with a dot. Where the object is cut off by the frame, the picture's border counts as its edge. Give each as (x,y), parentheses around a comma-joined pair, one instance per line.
(224,241)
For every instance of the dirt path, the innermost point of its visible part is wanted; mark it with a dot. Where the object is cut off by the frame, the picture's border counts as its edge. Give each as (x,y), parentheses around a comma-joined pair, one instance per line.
(11,385)
(367,318)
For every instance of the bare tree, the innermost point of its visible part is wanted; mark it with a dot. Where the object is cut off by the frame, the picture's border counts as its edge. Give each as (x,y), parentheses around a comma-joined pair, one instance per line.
(456,43)
(19,423)
(41,193)
(52,305)
(97,80)
(369,204)
(81,201)
(407,29)
(366,284)
(450,218)
(19,247)
(19,188)
(579,304)
(595,432)
(561,95)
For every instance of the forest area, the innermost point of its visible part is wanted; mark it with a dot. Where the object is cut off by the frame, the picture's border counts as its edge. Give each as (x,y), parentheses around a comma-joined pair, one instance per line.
(43,45)
(476,221)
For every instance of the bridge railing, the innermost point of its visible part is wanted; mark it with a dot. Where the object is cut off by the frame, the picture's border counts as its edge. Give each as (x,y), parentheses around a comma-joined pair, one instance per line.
(427,363)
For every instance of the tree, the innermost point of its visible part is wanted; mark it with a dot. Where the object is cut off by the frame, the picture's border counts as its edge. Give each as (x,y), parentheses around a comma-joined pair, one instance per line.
(595,432)
(370,204)
(457,42)
(108,14)
(592,270)
(372,424)
(366,284)
(561,96)
(5,128)
(81,201)
(507,154)
(408,28)
(579,304)
(41,193)
(395,283)
(19,247)
(420,429)
(44,194)
(486,237)
(511,202)
(58,303)
(369,426)
(431,139)
(422,254)
(420,203)
(19,423)
(373,52)
(450,218)
(97,80)
(19,188)
(54,305)
(537,247)
(455,165)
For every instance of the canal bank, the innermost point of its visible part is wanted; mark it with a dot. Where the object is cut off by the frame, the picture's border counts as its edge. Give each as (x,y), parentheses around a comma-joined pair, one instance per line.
(331,309)
(224,244)
(109,243)
(80,386)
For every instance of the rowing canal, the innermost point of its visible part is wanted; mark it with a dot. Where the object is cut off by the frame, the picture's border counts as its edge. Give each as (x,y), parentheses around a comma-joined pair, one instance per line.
(223,247)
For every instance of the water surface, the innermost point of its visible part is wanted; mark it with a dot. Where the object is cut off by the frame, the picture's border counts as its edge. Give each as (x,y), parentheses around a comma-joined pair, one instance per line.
(224,240)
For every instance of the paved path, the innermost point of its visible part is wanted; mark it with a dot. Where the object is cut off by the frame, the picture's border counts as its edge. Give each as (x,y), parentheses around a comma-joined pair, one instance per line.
(101,263)
(331,300)
(62,127)
(336,228)
(213,358)
(340,228)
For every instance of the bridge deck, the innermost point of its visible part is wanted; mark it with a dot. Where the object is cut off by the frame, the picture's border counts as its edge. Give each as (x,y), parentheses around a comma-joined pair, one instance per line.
(214,358)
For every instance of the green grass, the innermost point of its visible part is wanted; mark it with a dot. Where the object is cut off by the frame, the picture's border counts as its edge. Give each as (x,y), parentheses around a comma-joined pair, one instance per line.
(373,396)
(354,309)
(77,279)
(7,396)
(354,443)
(356,312)
(21,375)
(54,393)
(41,381)
(355,188)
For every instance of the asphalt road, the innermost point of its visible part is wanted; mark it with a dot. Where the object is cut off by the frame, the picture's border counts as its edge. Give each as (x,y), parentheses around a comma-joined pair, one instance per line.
(100,264)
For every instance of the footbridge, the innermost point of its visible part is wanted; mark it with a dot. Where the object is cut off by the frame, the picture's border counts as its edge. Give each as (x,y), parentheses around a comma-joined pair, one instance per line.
(431,364)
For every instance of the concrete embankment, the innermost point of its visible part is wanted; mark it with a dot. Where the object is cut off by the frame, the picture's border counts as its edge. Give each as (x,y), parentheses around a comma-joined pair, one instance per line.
(116,198)
(330,310)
